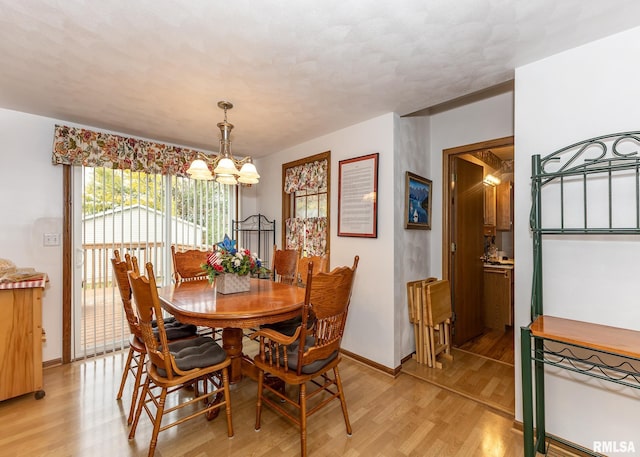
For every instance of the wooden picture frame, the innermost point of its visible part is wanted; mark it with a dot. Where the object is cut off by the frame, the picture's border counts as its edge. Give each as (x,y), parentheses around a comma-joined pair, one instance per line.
(358,196)
(417,202)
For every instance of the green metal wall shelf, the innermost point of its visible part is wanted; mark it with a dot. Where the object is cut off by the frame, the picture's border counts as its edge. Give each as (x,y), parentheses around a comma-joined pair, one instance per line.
(607,353)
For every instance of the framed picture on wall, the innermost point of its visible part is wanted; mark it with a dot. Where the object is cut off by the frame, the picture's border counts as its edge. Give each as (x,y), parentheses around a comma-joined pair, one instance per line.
(417,202)
(358,196)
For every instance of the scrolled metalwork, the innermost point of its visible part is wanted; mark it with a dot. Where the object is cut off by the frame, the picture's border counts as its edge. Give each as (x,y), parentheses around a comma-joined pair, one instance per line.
(612,156)
(599,154)
(624,373)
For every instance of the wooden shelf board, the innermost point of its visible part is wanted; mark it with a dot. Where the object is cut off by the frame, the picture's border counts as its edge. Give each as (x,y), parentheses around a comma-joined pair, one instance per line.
(593,336)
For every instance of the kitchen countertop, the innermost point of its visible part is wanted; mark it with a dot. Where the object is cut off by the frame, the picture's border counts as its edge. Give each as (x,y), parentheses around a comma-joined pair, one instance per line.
(502,264)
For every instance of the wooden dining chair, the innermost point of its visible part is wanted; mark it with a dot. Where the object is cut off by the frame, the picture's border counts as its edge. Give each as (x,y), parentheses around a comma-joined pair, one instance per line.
(137,351)
(174,366)
(284,266)
(309,354)
(320,264)
(187,265)
(284,269)
(136,356)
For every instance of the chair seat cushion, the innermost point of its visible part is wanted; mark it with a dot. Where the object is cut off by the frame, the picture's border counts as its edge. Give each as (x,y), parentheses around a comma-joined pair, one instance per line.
(292,357)
(287,327)
(290,326)
(166,320)
(175,329)
(197,352)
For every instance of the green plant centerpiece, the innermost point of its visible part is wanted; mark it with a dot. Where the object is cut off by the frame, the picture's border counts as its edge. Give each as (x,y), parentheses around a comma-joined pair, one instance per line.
(228,264)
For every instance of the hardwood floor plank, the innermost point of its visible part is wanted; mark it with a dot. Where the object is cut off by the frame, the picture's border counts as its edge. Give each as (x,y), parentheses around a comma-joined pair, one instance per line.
(475,377)
(493,344)
(79,416)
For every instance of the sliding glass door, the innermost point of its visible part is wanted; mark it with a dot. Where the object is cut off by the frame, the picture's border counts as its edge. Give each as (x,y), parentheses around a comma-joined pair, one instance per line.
(141,214)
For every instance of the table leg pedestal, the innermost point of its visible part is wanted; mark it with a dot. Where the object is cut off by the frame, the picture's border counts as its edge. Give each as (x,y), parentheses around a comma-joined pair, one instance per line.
(232,343)
(240,363)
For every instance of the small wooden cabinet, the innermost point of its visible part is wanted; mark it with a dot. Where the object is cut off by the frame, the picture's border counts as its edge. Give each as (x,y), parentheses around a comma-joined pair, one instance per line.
(498,297)
(504,206)
(490,205)
(21,341)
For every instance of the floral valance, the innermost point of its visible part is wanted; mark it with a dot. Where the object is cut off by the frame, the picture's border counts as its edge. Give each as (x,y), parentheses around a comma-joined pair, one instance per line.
(309,176)
(77,146)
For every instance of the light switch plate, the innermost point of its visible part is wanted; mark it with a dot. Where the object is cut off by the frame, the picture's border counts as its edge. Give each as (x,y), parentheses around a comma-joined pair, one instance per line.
(51,239)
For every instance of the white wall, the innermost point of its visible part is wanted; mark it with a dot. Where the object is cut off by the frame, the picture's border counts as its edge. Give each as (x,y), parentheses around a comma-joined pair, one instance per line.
(31,191)
(31,205)
(482,120)
(579,94)
(370,327)
(411,247)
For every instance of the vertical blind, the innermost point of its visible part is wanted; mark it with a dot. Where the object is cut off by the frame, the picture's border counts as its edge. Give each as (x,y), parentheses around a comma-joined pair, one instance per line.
(143,215)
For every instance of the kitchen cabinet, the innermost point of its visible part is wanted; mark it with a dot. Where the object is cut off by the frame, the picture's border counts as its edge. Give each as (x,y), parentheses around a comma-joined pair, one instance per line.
(498,296)
(489,230)
(21,339)
(504,206)
(490,205)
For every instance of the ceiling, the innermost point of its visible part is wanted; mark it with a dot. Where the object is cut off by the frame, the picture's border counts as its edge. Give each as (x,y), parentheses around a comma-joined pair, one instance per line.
(294,70)
(503,153)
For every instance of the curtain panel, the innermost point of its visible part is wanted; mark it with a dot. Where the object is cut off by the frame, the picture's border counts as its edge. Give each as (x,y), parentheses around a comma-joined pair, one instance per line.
(309,176)
(309,234)
(77,146)
(294,233)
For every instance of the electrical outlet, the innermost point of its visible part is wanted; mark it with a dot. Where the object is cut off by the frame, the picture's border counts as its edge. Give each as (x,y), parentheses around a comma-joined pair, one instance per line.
(51,239)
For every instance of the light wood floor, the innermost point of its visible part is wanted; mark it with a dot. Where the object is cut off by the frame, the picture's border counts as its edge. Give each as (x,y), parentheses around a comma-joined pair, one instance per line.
(79,416)
(494,344)
(478,378)
(482,370)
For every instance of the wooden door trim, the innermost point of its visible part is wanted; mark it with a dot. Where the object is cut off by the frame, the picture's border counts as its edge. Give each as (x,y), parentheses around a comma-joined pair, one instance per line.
(447,154)
(67,253)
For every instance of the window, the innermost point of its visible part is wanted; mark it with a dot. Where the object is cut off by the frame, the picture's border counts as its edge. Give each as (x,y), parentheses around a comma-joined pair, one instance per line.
(310,203)
(305,206)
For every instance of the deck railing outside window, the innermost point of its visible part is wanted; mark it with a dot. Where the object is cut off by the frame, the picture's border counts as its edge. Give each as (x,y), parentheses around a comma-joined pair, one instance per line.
(141,214)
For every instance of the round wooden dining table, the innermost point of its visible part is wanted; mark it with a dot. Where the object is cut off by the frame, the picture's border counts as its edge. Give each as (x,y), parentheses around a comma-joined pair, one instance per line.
(197,302)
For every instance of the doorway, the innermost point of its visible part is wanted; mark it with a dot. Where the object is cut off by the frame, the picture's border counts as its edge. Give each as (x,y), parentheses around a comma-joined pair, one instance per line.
(466,248)
(483,358)
(465,240)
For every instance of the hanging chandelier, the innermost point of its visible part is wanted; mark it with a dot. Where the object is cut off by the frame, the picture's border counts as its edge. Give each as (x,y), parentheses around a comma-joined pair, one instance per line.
(225,166)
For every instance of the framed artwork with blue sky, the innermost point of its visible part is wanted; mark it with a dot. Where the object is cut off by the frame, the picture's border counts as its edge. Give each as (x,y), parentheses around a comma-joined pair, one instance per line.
(417,205)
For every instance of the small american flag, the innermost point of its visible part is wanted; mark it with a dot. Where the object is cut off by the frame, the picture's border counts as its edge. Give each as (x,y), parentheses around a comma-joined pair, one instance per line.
(213,258)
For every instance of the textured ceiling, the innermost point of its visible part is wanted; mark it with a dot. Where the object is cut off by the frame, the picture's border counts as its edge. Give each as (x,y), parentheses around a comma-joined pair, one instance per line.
(293,69)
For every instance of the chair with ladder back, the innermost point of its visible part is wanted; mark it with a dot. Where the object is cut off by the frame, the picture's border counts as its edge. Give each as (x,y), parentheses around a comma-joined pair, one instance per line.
(174,366)
(311,356)
(136,356)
